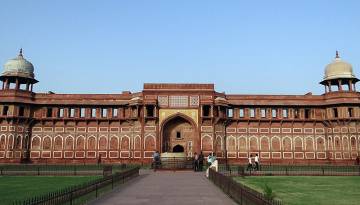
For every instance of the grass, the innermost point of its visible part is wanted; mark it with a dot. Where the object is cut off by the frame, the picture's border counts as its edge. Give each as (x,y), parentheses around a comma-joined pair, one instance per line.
(22,187)
(315,190)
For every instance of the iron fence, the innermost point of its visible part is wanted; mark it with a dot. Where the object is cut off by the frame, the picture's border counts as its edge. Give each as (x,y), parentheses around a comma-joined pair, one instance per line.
(71,194)
(241,194)
(174,163)
(52,170)
(291,170)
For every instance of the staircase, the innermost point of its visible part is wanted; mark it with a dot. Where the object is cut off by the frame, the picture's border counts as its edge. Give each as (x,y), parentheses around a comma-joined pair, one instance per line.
(175,161)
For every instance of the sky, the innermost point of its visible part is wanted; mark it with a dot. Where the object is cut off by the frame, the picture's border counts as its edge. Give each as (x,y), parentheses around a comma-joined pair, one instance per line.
(243,47)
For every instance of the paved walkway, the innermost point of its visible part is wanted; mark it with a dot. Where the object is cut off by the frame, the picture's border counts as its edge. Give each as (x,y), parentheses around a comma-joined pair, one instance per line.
(167,188)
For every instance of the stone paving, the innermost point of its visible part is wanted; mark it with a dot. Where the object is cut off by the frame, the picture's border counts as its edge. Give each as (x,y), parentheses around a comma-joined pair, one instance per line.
(167,188)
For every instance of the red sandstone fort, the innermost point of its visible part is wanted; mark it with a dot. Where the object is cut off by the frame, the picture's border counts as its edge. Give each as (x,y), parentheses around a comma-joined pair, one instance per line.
(186,118)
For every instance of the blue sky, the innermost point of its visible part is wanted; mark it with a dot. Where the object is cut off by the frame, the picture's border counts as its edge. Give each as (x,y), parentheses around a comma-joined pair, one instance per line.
(244,47)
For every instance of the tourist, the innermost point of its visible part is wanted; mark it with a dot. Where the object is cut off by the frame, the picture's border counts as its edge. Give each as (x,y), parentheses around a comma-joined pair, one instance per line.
(257,162)
(157,156)
(209,159)
(196,162)
(249,167)
(213,158)
(156,159)
(201,161)
(213,164)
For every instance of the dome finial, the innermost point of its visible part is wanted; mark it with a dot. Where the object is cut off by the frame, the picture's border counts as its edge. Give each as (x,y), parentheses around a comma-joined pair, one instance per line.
(20,53)
(337,54)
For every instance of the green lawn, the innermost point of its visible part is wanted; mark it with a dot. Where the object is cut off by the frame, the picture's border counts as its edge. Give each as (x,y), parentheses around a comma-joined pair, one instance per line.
(22,187)
(296,190)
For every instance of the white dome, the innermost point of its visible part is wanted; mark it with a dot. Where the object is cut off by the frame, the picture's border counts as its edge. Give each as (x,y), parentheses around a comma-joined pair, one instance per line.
(338,69)
(18,66)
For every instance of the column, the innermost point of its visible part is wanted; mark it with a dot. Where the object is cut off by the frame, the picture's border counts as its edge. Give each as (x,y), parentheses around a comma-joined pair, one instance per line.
(7,84)
(350,85)
(339,85)
(329,85)
(27,86)
(17,85)
(212,110)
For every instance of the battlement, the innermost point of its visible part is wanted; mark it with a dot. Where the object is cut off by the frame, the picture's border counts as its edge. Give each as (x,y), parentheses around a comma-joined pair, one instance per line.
(176,86)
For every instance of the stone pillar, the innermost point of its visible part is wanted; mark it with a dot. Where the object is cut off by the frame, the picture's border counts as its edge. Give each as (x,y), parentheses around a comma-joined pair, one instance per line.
(329,84)
(339,85)
(7,84)
(17,85)
(27,86)
(350,85)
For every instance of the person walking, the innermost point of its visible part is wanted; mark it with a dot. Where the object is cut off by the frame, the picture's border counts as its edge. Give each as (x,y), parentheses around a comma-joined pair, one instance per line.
(201,161)
(249,167)
(209,159)
(156,160)
(257,162)
(196,162)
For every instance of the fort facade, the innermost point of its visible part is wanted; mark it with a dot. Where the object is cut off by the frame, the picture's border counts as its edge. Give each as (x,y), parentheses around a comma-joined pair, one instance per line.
(187,118)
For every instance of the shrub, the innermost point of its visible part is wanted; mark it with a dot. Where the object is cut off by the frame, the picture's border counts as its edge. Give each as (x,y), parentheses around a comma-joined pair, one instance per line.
(268,192)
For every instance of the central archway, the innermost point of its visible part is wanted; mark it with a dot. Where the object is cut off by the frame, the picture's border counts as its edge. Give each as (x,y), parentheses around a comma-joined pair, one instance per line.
(178,148)
(178,135)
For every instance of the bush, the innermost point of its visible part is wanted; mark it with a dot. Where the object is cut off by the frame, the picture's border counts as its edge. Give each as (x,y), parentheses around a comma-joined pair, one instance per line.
(268,192)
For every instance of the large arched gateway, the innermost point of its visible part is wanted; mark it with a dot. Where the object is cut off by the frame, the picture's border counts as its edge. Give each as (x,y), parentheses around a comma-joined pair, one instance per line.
(178,135)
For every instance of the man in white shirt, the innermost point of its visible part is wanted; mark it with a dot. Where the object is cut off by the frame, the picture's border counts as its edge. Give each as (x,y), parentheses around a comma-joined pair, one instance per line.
(249,163)
(257,162)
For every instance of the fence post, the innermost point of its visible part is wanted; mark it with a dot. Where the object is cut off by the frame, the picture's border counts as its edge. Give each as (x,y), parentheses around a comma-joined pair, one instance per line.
(96,190)
(286,170)
(241,196)
(71,197)
(323,171)
(243,171)
(228,187)
(38,171)
(112,182)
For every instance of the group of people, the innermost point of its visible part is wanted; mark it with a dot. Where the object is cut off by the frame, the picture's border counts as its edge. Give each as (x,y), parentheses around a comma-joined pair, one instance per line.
(255,165)
(198,162)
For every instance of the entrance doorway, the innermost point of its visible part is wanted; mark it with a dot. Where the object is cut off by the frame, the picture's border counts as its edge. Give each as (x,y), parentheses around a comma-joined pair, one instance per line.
(178,148)
(178,134)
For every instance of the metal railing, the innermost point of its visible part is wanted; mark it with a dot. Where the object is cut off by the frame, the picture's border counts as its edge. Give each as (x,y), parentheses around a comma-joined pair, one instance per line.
(58,170)
(291,170)
(241,194)
(71,194)
(174,163)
